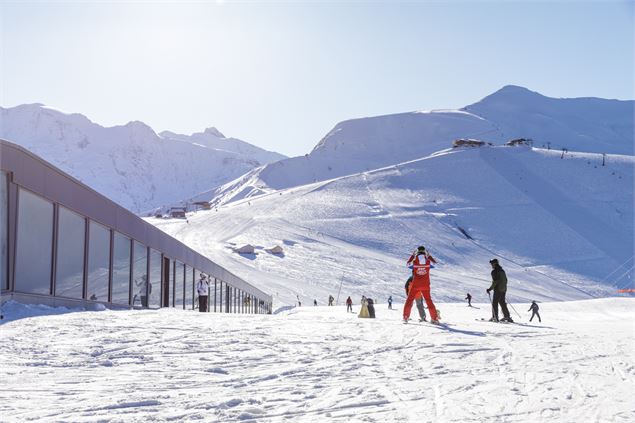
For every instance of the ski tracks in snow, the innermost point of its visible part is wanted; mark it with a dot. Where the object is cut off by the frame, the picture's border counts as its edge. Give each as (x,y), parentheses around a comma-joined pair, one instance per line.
(316,364)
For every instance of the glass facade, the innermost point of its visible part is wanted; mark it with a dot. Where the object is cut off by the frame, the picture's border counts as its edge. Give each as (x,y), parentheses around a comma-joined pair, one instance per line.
(121,269)
(4,233)
(178,285)
(34,249)
(140,275)
(69,268)
(50,245)
(154,287)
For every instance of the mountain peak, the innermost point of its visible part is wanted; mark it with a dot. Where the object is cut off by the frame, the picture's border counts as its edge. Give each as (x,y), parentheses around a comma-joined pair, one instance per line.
(511,93)
(214,132)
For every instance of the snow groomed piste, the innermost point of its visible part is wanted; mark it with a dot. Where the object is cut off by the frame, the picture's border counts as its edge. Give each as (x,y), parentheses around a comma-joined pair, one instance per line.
(316,364)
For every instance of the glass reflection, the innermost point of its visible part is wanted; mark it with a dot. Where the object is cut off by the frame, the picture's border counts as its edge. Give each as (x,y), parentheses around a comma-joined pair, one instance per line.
(121,269)
(34,250)
(69,268)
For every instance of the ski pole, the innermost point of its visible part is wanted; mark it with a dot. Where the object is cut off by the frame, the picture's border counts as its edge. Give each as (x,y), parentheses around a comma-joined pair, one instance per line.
(515,310)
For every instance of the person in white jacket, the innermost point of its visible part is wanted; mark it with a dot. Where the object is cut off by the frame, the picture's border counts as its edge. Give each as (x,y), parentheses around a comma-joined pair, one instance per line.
(202,288)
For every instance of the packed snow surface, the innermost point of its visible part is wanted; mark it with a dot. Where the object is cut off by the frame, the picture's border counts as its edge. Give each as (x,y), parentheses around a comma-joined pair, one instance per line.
(319,364)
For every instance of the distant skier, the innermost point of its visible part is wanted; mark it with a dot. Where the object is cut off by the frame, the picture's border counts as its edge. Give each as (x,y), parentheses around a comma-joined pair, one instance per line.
(202,289)
(534,311)
(349,304)
(314,302)
(390,302)
(469,300)
(499,286)
(331,299)
(421,262)
(418,301)
(371,307)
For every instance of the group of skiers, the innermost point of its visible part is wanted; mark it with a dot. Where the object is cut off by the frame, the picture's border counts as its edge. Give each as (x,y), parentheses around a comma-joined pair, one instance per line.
(418,289)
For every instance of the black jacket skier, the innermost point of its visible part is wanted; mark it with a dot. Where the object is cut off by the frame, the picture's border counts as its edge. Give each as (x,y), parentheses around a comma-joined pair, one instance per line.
(534,309)
(499,286)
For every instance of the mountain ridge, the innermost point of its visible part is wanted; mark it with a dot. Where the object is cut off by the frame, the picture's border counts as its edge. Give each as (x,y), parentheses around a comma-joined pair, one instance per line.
(164,171)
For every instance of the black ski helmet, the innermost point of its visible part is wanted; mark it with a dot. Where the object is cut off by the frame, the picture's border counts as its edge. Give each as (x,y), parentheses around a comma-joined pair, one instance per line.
(493,261)
(421,249)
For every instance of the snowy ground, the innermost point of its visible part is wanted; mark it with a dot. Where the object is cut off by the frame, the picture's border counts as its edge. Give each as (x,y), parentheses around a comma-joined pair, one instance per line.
(317,364)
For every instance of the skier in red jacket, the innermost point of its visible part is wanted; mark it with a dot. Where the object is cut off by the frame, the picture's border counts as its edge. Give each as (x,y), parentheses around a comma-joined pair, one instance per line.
(420,261)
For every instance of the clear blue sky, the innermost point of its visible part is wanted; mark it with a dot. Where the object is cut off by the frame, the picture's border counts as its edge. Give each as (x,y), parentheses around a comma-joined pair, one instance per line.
(281,74)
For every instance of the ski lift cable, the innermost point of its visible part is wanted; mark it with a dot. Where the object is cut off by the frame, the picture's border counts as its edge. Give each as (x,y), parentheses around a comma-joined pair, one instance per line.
(617,268)
(624,274)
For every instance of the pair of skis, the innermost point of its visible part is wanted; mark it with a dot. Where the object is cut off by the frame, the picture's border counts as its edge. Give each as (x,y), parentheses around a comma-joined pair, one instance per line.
(493,321)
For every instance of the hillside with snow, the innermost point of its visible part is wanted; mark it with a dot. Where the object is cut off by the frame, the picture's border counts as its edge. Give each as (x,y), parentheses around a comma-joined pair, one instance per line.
(562,226)
(578,124)
(319,364)
(131,164)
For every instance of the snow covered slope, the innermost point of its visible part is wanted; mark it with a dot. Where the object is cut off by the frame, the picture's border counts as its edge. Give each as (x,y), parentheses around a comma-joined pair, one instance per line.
(579,124)
(129,164)
(321,364)
(562,227)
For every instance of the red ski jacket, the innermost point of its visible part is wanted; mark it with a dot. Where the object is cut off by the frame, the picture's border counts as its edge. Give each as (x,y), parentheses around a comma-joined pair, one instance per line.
(421,270)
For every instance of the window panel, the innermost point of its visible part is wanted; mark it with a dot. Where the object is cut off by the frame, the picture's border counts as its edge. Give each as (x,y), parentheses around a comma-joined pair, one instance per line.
(178,287)
(69,268)
(121,270)
(189,288)
(140,275)
(4,203)
(154,286)
(98,262)
(34,244)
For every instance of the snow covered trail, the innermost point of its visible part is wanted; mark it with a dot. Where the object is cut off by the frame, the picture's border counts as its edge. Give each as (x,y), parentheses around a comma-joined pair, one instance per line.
(316,364)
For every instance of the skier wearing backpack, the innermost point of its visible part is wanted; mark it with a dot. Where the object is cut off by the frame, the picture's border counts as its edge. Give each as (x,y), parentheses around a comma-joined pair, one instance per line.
(499,286)
(534,311)
(420,261)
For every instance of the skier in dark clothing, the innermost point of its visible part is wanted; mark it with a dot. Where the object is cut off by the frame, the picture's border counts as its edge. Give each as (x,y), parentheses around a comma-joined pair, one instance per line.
(499,286)
(469,300)
(390,302)
(371,307)
(534,309)
(349,304)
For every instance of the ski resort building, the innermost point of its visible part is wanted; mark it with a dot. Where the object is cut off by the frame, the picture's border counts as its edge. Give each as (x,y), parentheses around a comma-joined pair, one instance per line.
(62,243)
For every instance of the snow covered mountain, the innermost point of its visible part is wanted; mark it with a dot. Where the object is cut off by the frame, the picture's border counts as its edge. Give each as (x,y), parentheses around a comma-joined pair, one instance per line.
(213,138)
(562,227)
(579,124)
(131,164)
